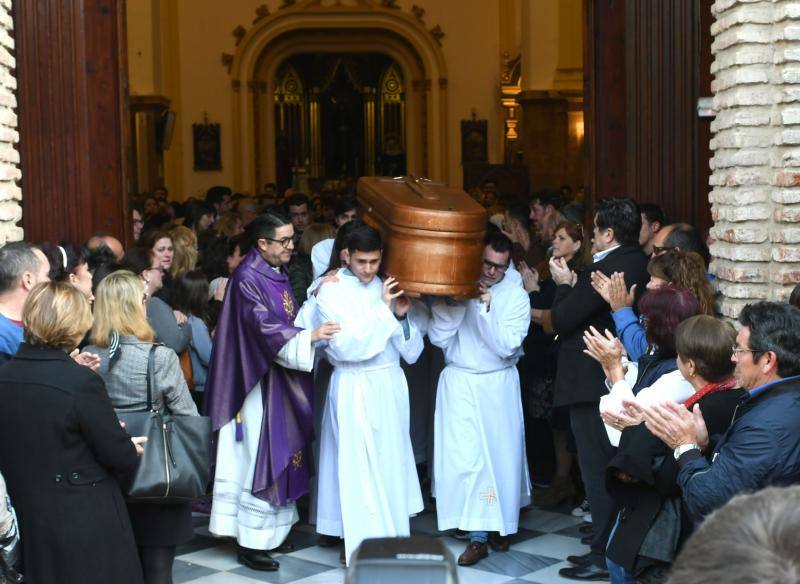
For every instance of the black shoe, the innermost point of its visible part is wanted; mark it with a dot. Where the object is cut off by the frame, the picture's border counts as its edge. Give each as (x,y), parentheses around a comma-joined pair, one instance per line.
(256,559)
(587,540)
(586,573)
(329,541)
(586,529)
(461,535)
(581,560)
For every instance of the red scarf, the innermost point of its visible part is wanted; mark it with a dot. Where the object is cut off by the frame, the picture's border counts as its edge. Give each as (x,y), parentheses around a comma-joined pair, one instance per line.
(708,389)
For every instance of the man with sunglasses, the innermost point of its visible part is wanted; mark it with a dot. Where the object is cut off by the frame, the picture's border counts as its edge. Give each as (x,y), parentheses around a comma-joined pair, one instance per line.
(259,396)
(481,476)
(761,447)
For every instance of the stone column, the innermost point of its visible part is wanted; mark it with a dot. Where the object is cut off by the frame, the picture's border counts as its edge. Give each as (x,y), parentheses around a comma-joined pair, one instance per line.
(10,193)
(756,143)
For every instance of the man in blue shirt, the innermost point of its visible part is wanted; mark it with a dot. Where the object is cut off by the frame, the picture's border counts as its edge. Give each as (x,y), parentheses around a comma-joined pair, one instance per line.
(22,266)
(762,445)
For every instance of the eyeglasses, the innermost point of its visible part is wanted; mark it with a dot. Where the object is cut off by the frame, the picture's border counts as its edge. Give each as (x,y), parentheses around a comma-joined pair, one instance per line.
(284,241)
(738,350)
(493,266)
(659,249)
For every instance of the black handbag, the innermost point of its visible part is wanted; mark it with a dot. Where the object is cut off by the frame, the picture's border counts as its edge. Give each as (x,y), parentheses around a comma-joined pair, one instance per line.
(176,464)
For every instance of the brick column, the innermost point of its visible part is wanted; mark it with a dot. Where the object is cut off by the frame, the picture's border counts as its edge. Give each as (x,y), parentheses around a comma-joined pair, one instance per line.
(10,193)
(756,143)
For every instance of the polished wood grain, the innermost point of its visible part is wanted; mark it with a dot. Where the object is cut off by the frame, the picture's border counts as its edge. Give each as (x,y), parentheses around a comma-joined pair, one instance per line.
(73,118)
(433,234)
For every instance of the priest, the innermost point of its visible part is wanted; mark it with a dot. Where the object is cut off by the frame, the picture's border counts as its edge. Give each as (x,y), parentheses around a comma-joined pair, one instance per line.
(259,395)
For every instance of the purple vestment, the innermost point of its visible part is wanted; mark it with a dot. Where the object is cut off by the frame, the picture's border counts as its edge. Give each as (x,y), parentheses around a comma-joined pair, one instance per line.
(256,321)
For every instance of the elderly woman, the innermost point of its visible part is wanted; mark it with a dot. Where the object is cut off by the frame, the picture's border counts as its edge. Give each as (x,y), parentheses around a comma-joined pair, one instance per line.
(62,450)
(641,477)
(122,338)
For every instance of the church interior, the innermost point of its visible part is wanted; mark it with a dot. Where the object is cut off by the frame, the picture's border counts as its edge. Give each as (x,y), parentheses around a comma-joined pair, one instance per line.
(117,99)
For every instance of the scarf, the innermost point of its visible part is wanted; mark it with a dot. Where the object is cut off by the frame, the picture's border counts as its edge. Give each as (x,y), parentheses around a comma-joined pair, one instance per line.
(709,389)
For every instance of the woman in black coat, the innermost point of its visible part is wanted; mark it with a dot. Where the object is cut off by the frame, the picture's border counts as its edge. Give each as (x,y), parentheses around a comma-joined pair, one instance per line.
(62,451)
(158,528)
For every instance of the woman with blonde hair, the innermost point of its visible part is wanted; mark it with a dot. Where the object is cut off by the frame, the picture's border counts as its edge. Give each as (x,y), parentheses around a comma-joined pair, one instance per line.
(184,244)
(228,225)
(62,450)
(123,339)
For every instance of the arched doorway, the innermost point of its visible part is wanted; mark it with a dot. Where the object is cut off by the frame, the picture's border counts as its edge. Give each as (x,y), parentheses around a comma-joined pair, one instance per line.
(366,28)
(337,117)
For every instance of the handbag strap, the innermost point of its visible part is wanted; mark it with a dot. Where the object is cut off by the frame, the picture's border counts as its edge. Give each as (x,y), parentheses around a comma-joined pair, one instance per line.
(151,360)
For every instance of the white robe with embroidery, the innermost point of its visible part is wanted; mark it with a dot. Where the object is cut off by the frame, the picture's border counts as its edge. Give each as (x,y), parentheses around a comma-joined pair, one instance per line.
(235,512)
(480,471)
(368,484)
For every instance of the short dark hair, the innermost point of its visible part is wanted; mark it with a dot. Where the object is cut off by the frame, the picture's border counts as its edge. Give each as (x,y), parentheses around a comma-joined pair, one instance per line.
(499,242)
(215,195)
(707,341)
(298,199)
(264,226)
(549,196)
(664,309)
(753,536)
(653,212)
(794,298)
(364,238)
(345,204)
(622,216)
(16,258)
(521,214)
(686,238)
(774,326)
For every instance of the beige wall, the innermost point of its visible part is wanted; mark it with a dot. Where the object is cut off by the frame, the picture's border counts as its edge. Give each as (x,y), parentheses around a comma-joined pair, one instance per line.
(202,30)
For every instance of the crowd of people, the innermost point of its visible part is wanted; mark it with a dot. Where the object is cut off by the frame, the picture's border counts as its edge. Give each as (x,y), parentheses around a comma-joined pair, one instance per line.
(590,369)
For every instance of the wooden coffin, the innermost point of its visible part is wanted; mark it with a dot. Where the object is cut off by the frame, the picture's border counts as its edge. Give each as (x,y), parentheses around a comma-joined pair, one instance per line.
(433,233)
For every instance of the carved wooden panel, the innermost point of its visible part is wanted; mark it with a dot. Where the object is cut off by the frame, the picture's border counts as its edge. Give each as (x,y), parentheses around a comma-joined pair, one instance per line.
(646,64)
(73,117)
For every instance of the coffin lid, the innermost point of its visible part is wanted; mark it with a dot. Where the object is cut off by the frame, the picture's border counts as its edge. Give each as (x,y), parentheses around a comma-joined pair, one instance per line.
(420,203)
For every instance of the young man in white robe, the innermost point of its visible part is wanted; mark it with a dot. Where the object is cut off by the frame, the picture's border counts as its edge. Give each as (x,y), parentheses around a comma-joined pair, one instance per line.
(368,485)
(480,474)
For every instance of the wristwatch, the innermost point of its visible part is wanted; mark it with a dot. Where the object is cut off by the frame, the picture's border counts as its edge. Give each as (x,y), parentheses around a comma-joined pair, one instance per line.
(684,448)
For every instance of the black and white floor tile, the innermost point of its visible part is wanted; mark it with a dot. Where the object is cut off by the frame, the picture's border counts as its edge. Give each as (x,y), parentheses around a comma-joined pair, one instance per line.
(537,553)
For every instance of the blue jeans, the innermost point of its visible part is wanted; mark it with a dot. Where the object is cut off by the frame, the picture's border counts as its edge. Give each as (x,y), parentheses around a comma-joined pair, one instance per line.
(479,536)
(618,574)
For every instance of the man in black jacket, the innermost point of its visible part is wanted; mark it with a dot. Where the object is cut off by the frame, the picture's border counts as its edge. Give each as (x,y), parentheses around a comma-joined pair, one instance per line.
(579,378)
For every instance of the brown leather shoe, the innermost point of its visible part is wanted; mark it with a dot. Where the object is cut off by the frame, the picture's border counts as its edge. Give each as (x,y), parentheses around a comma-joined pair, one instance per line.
(497,542)
(475,552)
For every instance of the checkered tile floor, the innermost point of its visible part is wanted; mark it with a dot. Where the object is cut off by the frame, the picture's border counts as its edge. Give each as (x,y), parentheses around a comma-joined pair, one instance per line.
(537,552)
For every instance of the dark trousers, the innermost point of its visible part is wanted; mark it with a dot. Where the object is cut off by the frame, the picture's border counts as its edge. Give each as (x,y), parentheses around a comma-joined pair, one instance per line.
(594,453)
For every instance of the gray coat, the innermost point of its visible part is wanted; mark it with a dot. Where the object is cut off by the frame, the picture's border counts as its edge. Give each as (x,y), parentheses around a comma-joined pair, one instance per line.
(126,383)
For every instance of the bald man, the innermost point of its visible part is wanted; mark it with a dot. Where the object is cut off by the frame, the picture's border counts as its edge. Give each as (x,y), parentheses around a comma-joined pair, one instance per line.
(112,243)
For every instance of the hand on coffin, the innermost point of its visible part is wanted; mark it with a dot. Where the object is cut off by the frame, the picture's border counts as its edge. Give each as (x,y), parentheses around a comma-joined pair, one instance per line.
(388,292)
(485,296)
